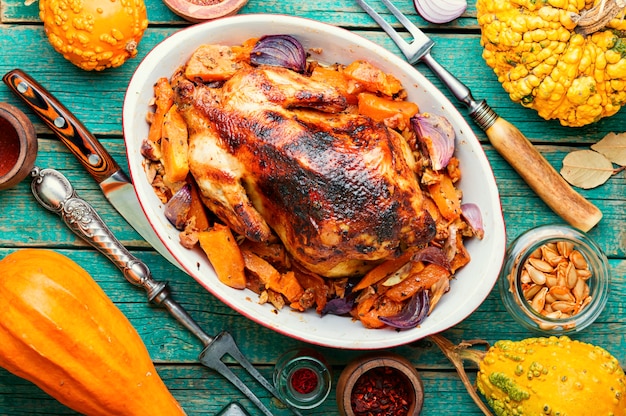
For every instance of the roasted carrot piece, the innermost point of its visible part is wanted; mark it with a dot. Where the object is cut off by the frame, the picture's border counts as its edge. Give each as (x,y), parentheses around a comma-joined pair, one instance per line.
(197,210)
(163,100)
(174,146)
(242,52)
(446,197)
(381,108)
(424,279)
(286,283)
(290,287)
(363,312)
(375,307)
(260,267)
(335,78)
(384,269)
(224,254)
(317,284)
(373,79)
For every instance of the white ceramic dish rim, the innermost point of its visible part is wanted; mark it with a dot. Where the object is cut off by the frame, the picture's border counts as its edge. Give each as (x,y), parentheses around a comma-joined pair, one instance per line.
(472,284)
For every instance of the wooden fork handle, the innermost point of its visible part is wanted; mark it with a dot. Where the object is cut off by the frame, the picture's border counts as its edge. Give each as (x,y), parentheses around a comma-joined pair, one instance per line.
(542,178)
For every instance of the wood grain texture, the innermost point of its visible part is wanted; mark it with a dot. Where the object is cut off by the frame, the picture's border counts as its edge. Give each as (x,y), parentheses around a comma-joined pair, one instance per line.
(97,99)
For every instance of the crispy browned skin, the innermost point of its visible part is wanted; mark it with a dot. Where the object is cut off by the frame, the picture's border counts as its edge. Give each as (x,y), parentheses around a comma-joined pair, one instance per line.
(337,188)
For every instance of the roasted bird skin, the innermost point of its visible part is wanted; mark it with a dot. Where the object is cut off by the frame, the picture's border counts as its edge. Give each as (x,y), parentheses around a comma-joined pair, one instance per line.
(272,150)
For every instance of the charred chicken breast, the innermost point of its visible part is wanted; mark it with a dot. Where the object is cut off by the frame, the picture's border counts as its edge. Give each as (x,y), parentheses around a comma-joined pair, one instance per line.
(275,152)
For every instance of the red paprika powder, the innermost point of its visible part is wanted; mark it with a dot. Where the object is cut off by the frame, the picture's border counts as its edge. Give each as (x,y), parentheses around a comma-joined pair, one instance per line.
(304,380)
(9,147)
(381,391)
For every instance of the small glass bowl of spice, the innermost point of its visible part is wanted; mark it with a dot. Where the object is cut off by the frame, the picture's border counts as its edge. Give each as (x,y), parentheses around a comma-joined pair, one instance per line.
(18,146)
(555,279)
(302,378)
(383,384)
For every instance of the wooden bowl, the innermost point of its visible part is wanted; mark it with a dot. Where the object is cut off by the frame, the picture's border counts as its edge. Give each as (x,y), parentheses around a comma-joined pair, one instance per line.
(397,366)
(202,10)
(18,142)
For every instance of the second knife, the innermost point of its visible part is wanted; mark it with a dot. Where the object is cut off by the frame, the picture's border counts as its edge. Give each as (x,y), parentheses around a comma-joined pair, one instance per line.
(115,184)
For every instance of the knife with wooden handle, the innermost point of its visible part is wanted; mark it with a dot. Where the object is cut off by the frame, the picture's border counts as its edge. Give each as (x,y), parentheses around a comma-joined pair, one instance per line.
(512,145)
(112,180)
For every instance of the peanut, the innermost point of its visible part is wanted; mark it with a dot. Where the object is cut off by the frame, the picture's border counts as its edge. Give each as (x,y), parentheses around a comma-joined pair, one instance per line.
(555,280)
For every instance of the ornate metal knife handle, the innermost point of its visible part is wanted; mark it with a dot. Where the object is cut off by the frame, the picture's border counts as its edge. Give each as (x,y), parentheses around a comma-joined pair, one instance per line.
(55,193)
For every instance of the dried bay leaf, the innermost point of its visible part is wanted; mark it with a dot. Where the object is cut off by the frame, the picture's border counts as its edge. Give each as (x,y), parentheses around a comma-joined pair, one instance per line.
(613,146)
(586,169)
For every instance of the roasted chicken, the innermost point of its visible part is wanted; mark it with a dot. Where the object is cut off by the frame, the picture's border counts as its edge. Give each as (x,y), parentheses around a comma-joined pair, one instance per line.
(273,151)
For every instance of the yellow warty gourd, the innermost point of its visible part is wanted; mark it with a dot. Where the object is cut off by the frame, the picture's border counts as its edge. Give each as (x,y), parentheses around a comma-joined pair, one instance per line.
(94,34)
(563,58)
(552,376)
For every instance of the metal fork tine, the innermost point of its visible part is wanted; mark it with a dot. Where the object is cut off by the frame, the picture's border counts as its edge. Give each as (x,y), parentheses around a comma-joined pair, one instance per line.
(224,344)
(223,369)
(403,19)
(383,23)
(419,46)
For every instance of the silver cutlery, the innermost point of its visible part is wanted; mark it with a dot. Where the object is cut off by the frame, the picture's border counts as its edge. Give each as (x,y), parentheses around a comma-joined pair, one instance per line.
(113,182)
(55,192)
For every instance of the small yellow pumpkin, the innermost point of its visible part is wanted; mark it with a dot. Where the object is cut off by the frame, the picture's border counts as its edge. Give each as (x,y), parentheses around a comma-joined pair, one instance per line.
(542,376)
(59,330)
(94,34)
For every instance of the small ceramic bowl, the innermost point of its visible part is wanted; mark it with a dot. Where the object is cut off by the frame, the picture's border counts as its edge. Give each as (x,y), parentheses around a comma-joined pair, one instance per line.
(18,146)
(202,10)
(555,280)
(378,372)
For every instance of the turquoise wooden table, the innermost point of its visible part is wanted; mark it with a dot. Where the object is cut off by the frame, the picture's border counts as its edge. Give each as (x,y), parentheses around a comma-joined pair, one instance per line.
(96,98)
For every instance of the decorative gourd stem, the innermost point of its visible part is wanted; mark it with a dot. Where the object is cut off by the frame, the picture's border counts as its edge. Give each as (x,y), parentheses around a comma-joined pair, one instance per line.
(456,354)
(594,19)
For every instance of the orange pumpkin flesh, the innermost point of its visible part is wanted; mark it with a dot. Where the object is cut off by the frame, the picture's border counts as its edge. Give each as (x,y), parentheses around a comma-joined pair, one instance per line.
(59,330)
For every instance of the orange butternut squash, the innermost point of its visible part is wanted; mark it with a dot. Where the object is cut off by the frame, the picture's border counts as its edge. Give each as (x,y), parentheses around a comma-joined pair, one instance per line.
(174,146)
(225,256)
(373,79)
(163,101)
(60,331)
(381,108)
(446,197)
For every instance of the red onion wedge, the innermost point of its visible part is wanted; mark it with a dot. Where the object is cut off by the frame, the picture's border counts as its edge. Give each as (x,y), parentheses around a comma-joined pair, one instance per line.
(440,11)
(279,50)
(432,254)
(473,216)
(436,134)
(178,206)
(412,314)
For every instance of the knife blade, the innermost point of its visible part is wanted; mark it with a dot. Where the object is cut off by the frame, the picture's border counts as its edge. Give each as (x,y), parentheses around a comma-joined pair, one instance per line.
(113,181)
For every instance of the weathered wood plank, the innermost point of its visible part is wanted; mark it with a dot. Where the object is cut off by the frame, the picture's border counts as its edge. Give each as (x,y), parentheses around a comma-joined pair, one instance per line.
(208,394)
(340,13)
(97,97)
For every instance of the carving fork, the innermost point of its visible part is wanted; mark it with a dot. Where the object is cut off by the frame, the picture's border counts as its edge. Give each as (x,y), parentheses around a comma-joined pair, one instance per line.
(55,192)
(512,145)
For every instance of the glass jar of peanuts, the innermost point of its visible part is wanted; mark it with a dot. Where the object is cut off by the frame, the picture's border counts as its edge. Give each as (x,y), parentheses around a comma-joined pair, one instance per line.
(555,279)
